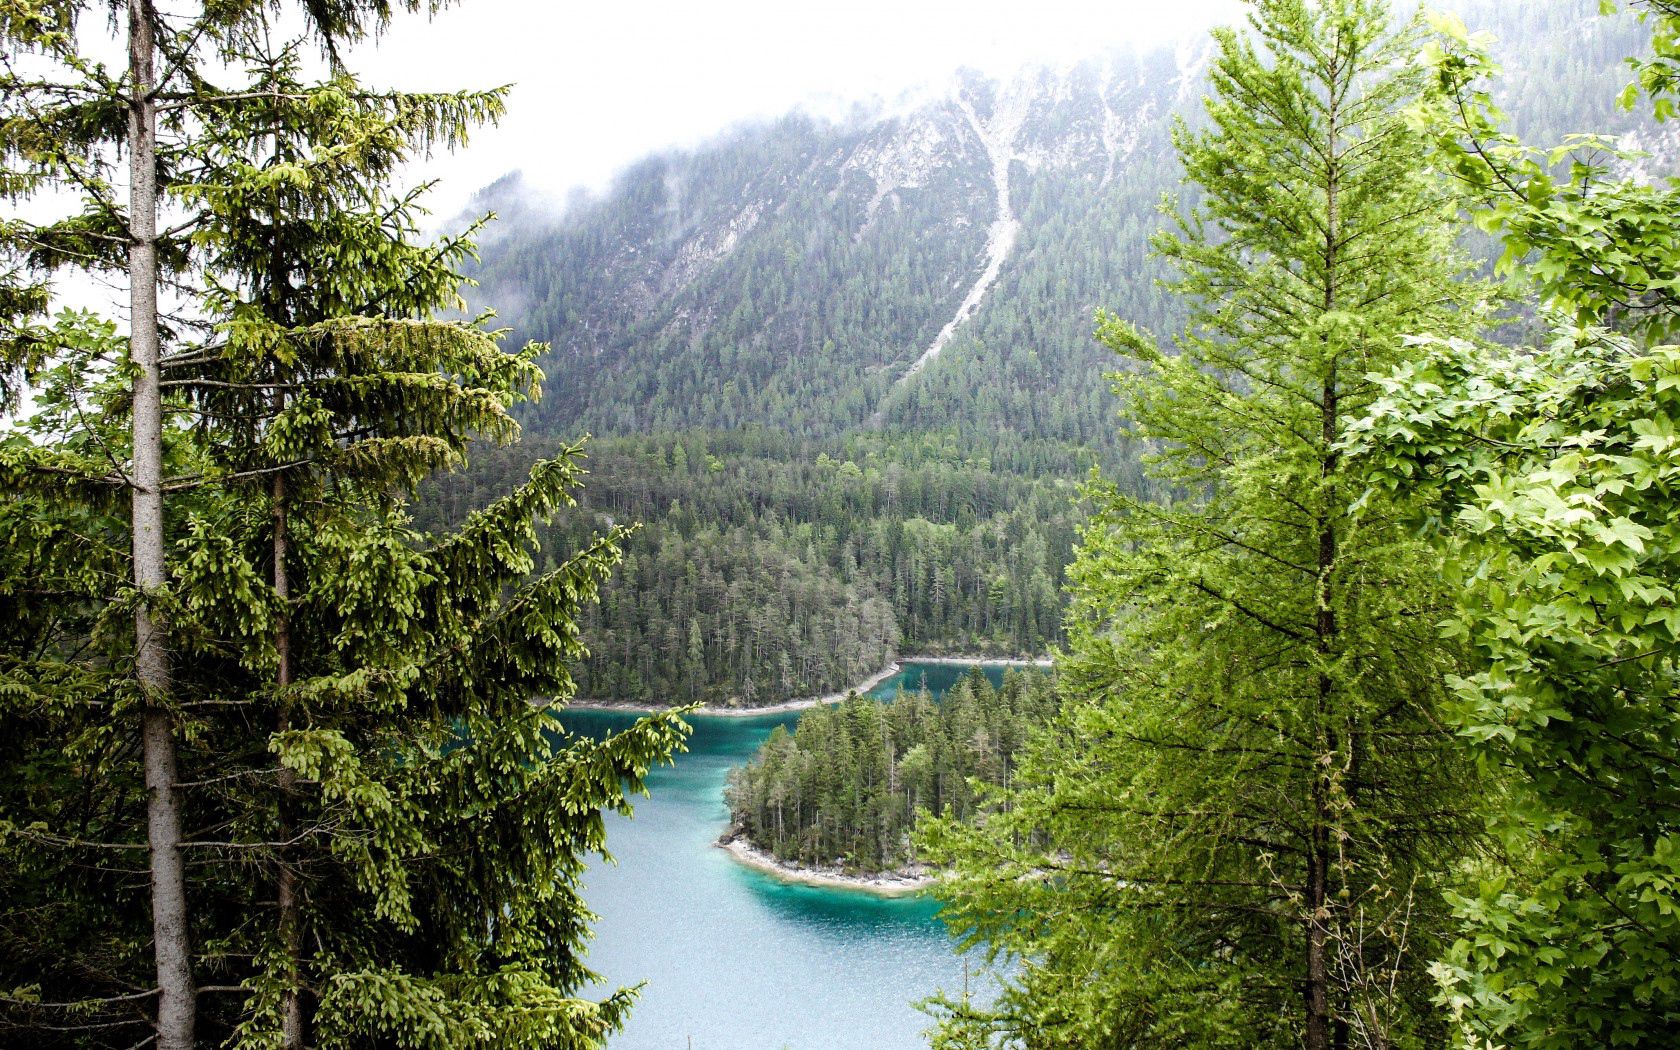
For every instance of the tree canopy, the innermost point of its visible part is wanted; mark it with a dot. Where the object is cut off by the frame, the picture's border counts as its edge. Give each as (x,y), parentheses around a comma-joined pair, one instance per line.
(1554,472)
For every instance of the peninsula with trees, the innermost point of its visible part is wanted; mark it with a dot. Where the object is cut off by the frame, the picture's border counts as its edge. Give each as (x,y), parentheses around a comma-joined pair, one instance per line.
(843,791)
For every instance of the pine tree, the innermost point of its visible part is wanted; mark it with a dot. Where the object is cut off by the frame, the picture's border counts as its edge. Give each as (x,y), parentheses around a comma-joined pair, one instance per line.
(1236,838)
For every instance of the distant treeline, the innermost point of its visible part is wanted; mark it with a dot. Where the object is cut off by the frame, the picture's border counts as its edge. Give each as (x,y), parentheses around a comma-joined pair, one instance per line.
(769,566)
(846,786)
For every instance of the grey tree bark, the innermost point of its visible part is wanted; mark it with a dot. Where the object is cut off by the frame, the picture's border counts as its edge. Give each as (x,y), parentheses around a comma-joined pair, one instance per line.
(171,944)
(292,1021)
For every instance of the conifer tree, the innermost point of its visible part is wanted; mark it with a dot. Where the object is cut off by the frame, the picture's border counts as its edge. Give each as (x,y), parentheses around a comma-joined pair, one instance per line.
(348,700)
(1236,835)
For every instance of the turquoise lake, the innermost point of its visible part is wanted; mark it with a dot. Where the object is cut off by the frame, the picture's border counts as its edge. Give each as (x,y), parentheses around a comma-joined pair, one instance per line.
(734,959)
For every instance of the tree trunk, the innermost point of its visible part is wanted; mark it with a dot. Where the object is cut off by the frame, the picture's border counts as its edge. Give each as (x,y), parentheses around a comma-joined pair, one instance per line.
(286,887)
(171,945)
(1324,627)
(1323,818)
(293,1023)
(1318,968)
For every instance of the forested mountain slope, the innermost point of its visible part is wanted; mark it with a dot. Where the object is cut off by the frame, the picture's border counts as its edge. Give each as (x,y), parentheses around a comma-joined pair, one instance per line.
(774,296)
(789,275)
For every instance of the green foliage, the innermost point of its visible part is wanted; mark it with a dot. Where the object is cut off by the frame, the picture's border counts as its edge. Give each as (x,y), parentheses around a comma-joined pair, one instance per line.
(1600,246)
(848,786)
(1554,469)
(1236,833)
(1559,471)
(385,823)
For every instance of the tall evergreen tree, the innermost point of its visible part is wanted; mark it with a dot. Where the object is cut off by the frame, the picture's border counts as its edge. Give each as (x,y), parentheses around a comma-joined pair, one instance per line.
(347,729)
(1236,838)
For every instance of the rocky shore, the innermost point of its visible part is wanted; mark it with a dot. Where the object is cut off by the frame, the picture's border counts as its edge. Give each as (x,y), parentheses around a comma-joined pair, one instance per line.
(897,883)
(796,704)
(979,661)
(801,703)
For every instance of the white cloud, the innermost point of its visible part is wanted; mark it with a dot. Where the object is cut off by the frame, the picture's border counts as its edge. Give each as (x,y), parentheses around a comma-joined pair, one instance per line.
(597,86)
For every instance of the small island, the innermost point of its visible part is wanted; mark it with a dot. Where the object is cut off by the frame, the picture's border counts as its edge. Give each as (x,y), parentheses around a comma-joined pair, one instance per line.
(835,802)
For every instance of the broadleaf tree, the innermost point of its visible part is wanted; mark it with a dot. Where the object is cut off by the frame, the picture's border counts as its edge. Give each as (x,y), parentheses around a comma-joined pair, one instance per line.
(1554,468)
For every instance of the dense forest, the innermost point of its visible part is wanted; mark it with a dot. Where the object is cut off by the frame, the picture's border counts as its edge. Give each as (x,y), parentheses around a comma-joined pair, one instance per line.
(846,786)
(1353,530)
(767,567)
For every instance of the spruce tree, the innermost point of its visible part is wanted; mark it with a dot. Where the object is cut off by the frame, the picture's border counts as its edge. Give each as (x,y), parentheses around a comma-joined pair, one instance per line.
(1236,835)
(380,832)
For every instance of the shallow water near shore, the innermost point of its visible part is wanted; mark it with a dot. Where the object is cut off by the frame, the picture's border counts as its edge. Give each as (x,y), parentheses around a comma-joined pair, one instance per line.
(735,959)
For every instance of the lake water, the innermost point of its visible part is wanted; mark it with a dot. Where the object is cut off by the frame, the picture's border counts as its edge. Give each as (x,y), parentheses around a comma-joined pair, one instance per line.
(734,959)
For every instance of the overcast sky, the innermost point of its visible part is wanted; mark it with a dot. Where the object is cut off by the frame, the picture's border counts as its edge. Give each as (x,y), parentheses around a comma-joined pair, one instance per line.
(599,85)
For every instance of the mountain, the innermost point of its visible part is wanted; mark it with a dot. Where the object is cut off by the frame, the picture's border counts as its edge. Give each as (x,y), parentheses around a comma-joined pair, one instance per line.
(818,278)
(848,365)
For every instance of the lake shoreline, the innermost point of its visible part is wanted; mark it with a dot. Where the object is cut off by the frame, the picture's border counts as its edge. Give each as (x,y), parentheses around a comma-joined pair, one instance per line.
(782,707)
(803,703)
(900,883)
(980,661)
